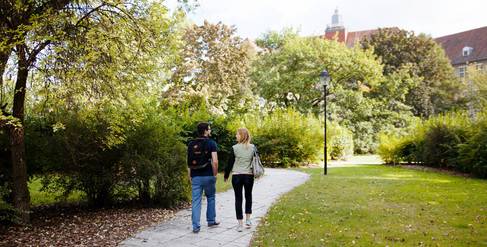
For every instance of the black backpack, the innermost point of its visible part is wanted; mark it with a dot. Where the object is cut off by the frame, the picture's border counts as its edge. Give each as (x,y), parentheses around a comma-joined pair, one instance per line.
(198,154)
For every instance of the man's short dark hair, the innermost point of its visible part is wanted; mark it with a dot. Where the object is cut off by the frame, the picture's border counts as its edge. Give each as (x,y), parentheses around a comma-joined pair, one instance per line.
(202,127)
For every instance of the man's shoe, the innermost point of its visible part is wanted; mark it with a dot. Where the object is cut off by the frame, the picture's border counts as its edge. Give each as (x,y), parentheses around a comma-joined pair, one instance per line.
(213,224)
(196,230)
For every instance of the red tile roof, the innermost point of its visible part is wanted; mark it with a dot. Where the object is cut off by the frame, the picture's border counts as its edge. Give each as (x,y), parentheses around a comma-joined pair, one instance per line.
(355,37)
(336,35)
(350,38)
(453,45)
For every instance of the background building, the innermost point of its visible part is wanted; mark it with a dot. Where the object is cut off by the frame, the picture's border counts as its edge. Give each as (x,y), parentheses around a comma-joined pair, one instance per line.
(463,49)
(466,48)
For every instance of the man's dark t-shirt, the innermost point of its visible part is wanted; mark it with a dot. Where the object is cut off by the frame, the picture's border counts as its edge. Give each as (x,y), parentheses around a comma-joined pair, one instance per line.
(207,170)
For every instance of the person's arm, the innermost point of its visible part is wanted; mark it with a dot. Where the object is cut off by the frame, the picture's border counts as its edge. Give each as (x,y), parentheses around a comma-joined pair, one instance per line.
(229,166)
(214,159)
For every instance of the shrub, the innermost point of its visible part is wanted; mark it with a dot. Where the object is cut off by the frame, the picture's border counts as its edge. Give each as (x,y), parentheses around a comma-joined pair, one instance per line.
(111,152)
(394,148)
(473,153)
(449,141)
(442,135)
(284,137)
(341,142)
(154,159)
(389,148)
(191,114)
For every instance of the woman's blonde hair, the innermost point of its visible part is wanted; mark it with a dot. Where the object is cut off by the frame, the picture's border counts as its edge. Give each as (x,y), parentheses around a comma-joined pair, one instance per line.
(244,136)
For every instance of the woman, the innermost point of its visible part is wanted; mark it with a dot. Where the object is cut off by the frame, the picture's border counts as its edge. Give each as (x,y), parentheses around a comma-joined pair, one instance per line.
(240,166)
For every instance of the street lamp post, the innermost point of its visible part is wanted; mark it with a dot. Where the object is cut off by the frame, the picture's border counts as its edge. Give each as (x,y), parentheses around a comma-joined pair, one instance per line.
(325,80)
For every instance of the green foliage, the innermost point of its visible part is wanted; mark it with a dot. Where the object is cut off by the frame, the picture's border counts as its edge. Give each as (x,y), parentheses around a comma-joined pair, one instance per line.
(213,64)
(154,157)
(362,99)
(473,153)
(191,113)
(449,141)
(289,75)
(395,148)
(95,54)
(340,142)
(7,211)
(90,142)
(476,81)
(442,135)
(437,88)
(417,79)
(112,152)
(272,40)
(284,137)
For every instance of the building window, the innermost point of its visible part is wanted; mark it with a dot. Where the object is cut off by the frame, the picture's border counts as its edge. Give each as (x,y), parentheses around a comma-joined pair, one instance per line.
(461,71)
(467,51)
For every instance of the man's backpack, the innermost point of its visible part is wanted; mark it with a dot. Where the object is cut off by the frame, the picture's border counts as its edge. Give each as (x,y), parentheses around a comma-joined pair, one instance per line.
(198,154)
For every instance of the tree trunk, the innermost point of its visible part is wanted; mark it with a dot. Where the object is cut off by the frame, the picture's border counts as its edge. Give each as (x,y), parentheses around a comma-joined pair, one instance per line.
(144,193)
(4,55)
(20,191)
(3,64)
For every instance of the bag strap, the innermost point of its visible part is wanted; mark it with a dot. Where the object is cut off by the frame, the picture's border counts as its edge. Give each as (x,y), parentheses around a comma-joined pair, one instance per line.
(253,156)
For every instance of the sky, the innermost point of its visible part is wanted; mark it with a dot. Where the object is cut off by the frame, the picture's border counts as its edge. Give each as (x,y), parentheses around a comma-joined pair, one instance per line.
(254,17)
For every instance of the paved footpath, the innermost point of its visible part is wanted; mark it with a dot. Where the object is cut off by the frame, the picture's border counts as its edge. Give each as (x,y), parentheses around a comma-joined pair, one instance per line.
(177,231)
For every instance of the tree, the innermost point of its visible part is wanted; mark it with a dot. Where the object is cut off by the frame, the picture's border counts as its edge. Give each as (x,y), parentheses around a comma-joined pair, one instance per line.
(214,65)
(363,100)
(18,21)
(476,82)
(272,40)
(438,87)
(43,29)
(289,74)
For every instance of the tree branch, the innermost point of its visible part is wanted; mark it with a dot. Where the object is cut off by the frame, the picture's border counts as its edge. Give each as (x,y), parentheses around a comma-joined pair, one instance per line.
(35,52)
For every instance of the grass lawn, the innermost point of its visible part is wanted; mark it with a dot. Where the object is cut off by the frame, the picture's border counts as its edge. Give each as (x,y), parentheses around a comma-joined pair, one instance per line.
(38,197)
(378,206)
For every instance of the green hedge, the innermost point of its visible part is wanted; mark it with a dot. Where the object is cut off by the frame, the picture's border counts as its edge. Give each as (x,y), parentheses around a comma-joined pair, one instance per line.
(450,141)
(286,137)
(114,152)
(473,153)
(111,152)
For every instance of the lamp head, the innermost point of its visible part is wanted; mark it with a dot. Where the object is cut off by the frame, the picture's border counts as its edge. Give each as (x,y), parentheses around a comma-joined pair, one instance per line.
(325,78)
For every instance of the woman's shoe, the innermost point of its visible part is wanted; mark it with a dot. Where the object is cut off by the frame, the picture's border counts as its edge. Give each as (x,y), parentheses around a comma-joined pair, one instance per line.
(239,228)
(248,224)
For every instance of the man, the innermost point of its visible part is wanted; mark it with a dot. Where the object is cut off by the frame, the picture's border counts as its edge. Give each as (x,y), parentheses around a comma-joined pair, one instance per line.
(203,177)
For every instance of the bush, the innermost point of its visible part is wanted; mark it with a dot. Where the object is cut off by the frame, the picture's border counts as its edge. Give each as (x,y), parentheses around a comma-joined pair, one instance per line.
(154,159)
(450,141)
(189,115)
(284,137)
(394,149)
(79,148)
(341,142)
(473,153)
(111,152)
(442,135)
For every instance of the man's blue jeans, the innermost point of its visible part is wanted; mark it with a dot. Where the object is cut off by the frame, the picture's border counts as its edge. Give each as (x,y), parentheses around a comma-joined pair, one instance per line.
(198,185)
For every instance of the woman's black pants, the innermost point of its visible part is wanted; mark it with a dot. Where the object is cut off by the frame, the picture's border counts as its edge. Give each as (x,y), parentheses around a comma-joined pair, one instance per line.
(239,182)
